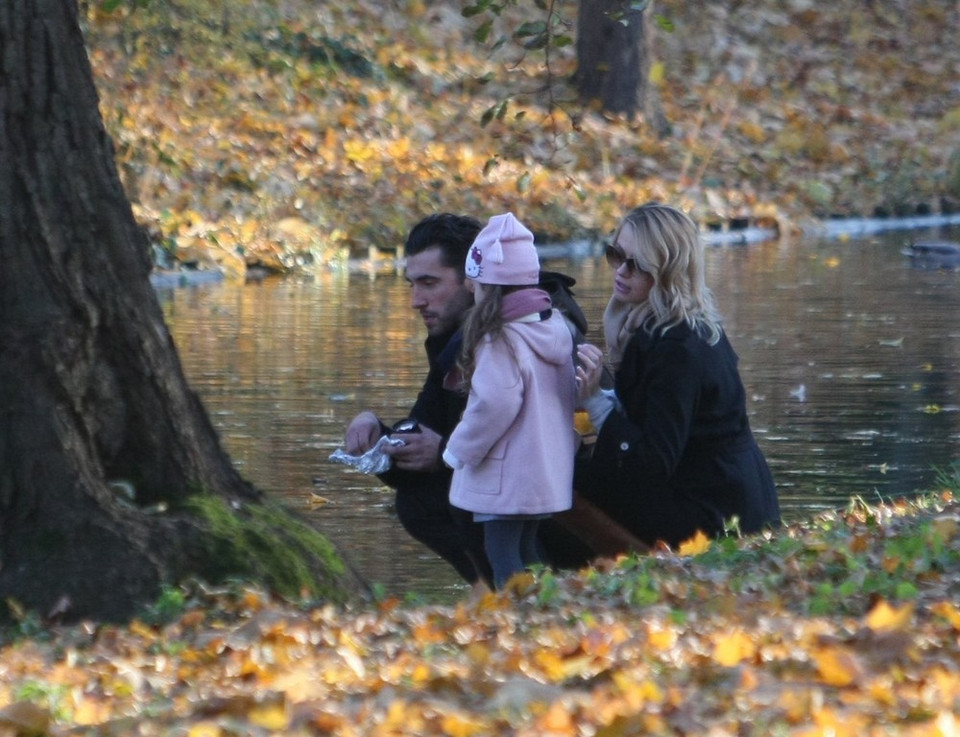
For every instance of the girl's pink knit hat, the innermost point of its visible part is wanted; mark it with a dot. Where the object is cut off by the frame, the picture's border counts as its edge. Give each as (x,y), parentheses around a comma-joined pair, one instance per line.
(503,253)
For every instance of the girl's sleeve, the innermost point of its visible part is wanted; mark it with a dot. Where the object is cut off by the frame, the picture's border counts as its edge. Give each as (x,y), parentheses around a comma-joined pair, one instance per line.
(496,395)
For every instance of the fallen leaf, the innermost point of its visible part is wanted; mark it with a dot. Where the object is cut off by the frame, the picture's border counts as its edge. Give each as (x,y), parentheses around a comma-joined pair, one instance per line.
(949,612)
(696,545)
(271,715)
(886,618)
(730,649)
(204,729)
(837,666)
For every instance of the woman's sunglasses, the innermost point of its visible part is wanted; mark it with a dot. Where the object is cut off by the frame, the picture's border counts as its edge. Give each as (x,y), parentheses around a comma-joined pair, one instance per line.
(617,258)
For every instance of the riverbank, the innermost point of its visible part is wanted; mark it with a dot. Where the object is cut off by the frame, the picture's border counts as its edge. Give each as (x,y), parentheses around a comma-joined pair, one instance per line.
(843,229)
(268,137)
(846,624)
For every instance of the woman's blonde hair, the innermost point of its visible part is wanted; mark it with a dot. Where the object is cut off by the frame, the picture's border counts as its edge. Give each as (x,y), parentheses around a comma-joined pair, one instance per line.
(669,248)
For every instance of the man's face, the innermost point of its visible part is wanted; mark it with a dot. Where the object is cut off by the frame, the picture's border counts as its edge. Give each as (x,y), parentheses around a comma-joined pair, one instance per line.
(439,293)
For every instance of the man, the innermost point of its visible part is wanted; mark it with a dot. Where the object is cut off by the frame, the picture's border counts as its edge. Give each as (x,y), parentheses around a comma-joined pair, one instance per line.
(436,250)
(436,253)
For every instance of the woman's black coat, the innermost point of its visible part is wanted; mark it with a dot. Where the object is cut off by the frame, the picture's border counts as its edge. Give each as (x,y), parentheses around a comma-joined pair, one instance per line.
(681,455)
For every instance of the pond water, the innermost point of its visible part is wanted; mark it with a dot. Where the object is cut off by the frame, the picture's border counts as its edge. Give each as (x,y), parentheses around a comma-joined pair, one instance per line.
(850,356)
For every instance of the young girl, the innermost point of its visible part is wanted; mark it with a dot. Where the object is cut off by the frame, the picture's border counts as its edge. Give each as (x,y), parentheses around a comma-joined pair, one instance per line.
(513,450)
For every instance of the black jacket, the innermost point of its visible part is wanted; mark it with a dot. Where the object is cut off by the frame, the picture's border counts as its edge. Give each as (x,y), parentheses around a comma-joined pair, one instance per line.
(437,407)
(681,455)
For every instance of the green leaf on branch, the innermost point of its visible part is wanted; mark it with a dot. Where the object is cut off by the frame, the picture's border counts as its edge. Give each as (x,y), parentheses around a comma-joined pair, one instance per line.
(530,28)
(663,23)
(494,111)
(538,42)
(472,10)
(483,32)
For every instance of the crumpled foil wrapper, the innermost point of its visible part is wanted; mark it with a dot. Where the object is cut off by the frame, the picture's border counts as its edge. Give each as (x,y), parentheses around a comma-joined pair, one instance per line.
(373,461)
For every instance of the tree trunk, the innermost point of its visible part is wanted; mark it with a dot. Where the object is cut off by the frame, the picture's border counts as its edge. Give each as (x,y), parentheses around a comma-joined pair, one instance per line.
(613,60)
(103,446)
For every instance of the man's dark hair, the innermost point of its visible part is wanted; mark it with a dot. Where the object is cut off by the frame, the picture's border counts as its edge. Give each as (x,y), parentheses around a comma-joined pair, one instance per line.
(453,233)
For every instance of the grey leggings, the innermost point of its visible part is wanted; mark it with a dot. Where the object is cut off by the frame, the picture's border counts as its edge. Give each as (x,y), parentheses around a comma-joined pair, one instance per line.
(511,546)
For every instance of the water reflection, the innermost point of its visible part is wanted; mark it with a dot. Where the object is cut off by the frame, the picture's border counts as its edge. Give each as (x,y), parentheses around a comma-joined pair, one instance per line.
(850,357)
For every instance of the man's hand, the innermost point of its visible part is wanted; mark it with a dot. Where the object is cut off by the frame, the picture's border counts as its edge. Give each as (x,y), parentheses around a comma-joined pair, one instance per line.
(421,452)
(363,432)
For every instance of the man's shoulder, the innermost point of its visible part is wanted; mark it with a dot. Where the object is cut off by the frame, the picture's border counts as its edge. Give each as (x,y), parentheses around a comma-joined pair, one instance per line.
(443,348)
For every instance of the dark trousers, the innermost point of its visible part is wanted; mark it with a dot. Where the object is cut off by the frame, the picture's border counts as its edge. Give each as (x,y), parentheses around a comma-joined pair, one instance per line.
(451,533)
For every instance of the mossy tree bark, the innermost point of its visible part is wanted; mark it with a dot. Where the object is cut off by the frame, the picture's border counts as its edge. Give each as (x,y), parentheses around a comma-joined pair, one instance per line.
(92,394)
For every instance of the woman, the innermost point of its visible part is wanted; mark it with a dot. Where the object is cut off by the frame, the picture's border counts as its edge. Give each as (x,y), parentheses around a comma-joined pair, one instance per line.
(674,452)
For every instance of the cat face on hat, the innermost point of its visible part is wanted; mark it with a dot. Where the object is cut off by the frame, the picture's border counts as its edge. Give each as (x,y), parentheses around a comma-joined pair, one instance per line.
(503,253)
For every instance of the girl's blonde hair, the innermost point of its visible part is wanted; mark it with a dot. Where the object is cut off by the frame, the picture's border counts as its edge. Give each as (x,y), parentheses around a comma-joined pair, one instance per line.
(669,248)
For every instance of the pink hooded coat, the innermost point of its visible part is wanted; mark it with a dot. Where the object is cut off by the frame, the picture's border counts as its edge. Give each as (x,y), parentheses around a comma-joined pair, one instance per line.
(513,450)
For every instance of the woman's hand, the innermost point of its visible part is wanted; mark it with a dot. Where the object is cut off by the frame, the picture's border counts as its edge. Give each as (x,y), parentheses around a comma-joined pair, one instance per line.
(589,371)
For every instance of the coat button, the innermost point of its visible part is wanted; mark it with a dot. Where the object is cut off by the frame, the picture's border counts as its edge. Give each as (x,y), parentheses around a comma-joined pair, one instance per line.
(624,446)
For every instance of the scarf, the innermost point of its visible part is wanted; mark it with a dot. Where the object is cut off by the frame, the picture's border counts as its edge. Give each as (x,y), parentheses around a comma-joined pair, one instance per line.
(620,322)
(524,302)
(513,306)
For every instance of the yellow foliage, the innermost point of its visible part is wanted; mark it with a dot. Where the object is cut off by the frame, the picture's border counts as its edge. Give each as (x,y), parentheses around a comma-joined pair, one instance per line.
(359,151)
(886,618)
(299,683)
(753,131)
(90,710)
(729,649)
(519,583)
(557,668)
(657,73)
(421,674)
(140,629)
(558,720)
(637,691)
(834,723)
(696,545)
(662,637)
(204,729)
(837,666)
(949,612)
(460,725)
(399,148)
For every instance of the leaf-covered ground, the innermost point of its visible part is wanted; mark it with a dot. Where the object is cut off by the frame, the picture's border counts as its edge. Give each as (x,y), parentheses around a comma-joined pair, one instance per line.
(846,625)
(302,130)
(285,130)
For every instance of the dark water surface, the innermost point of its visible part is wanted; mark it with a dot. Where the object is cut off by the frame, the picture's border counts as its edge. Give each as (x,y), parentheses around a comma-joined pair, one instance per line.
(850,356)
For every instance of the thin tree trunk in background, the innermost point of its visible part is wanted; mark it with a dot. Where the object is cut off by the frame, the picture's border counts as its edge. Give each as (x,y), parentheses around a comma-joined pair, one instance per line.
(613,60)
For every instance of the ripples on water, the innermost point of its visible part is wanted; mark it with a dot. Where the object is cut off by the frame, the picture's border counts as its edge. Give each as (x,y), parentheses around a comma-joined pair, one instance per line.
(850,357)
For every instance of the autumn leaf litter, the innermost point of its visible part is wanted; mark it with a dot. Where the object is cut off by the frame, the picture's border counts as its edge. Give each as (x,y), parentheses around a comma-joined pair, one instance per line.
(847,624)
(304,134)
